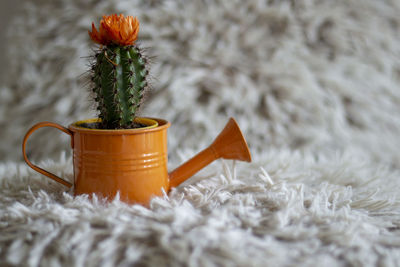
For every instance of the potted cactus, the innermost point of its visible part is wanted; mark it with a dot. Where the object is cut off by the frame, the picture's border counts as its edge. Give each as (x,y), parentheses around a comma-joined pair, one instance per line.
(119,72)
(120,152)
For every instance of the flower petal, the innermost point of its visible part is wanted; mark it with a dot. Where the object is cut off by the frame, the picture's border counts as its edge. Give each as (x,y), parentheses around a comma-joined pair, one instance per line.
(116,29)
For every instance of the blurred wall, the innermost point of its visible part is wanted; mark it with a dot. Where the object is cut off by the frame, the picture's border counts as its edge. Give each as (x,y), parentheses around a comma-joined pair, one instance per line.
(8,8)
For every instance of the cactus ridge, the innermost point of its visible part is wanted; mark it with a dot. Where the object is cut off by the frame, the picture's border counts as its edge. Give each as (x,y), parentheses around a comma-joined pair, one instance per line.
(119,76)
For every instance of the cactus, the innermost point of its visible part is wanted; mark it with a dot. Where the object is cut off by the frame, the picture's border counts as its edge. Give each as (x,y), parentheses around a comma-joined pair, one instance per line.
(119,72)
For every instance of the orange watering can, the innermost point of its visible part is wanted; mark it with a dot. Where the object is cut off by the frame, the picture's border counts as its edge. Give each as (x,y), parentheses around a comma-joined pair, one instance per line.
(133,162)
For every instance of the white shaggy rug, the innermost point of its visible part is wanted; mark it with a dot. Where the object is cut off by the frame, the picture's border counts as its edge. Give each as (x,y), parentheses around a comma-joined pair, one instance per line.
(313,84)
(286,209)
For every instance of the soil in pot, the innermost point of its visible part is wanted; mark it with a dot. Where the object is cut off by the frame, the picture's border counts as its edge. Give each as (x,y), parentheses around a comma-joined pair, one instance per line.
(97,125)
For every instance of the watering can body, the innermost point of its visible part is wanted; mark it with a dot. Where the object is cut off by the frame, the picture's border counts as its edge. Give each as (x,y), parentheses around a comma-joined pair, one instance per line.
(133,162)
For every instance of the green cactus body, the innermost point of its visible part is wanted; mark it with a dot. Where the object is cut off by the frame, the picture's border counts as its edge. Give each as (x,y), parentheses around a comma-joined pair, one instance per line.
(120,81)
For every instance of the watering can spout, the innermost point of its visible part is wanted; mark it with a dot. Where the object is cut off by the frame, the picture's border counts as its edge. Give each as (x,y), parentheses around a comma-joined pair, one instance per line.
(229,144)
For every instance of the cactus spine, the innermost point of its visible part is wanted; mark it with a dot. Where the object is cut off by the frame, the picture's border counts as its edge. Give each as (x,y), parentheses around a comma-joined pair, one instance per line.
(119,75)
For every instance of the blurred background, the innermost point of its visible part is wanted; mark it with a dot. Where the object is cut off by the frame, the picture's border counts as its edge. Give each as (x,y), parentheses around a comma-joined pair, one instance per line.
(319,77)
(8,9)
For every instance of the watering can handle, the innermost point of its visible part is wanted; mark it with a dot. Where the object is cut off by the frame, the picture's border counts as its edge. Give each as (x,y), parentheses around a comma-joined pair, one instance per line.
(36,168)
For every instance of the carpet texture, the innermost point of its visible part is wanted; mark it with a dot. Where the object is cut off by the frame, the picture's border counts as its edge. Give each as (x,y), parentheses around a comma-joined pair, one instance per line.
(314,85)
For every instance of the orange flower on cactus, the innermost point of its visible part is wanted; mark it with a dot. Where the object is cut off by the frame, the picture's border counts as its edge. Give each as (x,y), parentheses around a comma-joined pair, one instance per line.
(116,29)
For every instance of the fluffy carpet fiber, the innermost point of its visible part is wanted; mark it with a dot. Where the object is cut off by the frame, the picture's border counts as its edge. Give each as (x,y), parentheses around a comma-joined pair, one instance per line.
(315,87)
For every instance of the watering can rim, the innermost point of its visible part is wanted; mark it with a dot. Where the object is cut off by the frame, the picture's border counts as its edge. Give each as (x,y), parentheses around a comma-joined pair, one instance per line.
(161,125)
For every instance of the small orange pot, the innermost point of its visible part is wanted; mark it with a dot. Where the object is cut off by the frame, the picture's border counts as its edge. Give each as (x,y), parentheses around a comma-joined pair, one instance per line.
(133,162)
